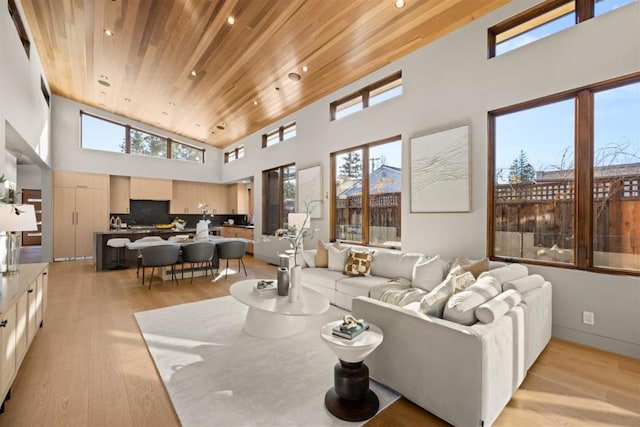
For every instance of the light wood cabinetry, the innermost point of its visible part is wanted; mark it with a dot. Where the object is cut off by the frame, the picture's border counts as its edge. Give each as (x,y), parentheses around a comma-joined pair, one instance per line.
(119,194)
(187,195)
(150,189)
(237,199)
(78,211)
(241,232)
(22,312)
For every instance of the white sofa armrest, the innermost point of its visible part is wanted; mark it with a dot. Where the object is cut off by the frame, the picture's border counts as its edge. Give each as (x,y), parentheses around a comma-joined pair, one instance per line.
(462,374)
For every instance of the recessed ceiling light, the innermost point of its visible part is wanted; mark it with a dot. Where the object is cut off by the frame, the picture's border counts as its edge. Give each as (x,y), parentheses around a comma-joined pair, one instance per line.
(104,83)
(197,125)
(255,102)
(399,4)
(231,20)
(173,104)
(221,126)
(194,73)
(213,132)
(108,33)
(295,77)
(305,68)
(127,99)
(164,113)
(103,92)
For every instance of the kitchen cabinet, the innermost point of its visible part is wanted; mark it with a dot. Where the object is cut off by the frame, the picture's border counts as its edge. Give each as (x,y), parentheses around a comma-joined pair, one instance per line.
(8,346)
(119,194)
(22,309)
(150,189)
(187,195)
(78,211)
(241,232)
(237,199)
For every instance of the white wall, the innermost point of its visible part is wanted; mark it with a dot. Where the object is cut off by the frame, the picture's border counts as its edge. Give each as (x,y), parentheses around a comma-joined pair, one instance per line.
(24,106)
(24,114)
(69,156)
(30,177)
(451,82)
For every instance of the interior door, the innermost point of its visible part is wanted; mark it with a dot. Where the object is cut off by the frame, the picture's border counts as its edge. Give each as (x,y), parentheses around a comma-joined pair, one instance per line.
(33,197)
(92,215)
(64,229)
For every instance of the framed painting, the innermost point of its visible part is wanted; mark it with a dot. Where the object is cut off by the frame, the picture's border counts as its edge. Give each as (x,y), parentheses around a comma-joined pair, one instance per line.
(440,171)
(309,182)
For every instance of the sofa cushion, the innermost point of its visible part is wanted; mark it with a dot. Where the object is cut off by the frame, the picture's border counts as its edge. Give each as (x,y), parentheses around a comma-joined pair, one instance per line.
(358,263)
(525,284)
(433,303)
(461,307)
(321,277)
(507,273)
(389,286)
(497,307)
(337,258)
(428,274)
(359,285)
(394,264)
(476,267)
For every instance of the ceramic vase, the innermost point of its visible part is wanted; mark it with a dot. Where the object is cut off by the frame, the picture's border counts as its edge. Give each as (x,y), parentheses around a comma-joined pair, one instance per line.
(295,283)
(283,281)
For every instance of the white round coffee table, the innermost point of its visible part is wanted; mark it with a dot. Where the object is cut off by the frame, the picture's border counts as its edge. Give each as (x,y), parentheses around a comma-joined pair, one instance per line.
(273,316)
(350,398)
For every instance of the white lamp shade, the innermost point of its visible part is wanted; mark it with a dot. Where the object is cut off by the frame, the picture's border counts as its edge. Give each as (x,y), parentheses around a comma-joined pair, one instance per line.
(17,218)
(297,220)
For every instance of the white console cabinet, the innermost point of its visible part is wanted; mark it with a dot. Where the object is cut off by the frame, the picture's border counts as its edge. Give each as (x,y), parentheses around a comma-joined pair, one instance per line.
(23,299)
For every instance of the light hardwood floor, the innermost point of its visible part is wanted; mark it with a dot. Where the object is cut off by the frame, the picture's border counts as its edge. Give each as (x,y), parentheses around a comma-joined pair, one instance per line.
(88,365)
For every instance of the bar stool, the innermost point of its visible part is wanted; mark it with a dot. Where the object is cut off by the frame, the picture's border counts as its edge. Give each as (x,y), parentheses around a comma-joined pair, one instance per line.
(118,243)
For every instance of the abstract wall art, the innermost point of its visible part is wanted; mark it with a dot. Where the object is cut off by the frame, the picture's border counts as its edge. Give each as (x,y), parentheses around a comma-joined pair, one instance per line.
(440,171)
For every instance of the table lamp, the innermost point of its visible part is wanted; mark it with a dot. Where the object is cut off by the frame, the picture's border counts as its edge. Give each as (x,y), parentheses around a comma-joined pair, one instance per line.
(14,219)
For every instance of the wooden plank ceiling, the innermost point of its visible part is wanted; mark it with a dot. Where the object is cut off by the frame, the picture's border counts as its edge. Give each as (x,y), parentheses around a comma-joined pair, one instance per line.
(158,43)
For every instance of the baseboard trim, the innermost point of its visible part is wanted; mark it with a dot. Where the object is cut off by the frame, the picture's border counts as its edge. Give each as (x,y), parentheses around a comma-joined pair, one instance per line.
(592,340)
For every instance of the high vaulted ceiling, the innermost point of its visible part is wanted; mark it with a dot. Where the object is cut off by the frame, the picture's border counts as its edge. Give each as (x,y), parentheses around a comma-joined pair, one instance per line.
(156,44)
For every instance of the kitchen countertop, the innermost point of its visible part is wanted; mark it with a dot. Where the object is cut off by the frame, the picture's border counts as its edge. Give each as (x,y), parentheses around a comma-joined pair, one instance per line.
(239,226)
(152,230)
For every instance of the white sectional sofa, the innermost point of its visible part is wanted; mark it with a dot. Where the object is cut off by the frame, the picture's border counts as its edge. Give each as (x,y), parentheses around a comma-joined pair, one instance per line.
(462,373)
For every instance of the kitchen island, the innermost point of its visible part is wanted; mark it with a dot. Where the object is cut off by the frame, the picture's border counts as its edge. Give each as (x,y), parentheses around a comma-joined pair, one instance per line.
(105,256)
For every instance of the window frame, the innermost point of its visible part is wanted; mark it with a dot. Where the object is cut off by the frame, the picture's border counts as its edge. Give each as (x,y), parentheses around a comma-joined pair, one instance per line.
(127,139)
(265,191)
(364,93)
(365,191)
(280,131)
(584,10)
(17,21)
(235,152)
(583,173)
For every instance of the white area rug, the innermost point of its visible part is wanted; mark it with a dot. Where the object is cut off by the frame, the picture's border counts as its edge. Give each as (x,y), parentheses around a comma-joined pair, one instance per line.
(217,375)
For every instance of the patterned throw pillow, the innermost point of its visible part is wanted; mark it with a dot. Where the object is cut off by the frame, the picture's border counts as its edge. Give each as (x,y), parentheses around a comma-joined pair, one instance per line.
(358,263)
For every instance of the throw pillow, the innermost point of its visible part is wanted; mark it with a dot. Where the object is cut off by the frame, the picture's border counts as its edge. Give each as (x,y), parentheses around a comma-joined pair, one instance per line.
(322,255)
(476,268)
(394,265)
(358,263)
(337,258)
(433,303)
(462,281)
(498,307)
(461,307)
(525,284)
(428,274)
(508,273)
(309,257)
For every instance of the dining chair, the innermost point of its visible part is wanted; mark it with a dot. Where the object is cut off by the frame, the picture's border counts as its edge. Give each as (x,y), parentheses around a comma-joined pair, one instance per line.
(139,257)
(160,256)
(118,243)
(232,249)
(198,253)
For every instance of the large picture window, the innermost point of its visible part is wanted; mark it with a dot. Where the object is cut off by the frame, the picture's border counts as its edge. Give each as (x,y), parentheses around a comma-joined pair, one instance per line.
(279,197)
(566,178)
(105,135)
(366,194)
